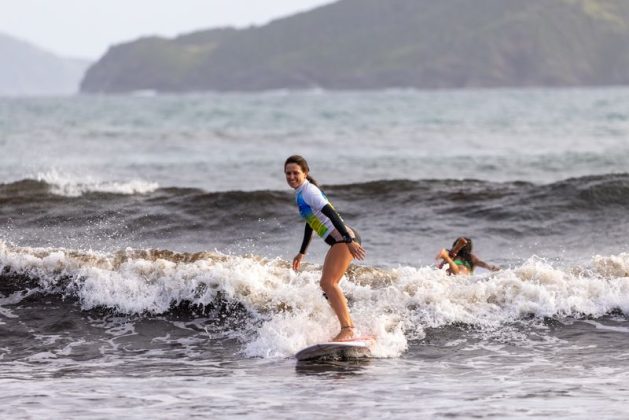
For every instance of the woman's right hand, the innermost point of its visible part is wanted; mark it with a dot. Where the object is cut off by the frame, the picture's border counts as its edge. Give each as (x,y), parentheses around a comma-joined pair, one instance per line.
(444,254)
(297,261)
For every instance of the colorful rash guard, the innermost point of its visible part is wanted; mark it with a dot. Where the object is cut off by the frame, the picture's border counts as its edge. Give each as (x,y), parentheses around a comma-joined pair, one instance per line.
(310,201)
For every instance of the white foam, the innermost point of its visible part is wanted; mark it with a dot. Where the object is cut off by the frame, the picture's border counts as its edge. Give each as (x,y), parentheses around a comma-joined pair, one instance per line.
(600,326)
(10,300)
(612,266)
(287,311)
(69,185)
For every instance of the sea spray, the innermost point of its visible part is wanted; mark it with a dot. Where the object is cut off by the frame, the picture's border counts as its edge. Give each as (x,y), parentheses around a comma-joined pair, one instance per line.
(285,310)
(67,184)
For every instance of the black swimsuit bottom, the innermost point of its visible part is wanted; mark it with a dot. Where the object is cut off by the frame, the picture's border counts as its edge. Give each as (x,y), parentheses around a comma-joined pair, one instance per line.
(331,241)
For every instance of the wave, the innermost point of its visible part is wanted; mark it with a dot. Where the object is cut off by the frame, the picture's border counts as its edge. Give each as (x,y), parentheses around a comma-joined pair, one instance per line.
(71,186)
(285,309)
(65,185)
(584,192)
(397,218)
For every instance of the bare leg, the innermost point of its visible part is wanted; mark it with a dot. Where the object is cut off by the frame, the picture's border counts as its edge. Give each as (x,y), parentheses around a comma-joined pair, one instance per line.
(336,263)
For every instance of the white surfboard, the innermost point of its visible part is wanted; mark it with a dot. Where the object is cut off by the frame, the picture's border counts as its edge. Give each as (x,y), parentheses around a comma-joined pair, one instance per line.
(356,348)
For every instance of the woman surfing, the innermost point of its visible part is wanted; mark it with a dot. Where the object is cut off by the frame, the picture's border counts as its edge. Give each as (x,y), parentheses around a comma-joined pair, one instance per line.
(345,243)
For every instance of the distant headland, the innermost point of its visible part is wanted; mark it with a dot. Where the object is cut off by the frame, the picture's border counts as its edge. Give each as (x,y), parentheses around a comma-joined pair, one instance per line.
(376,44)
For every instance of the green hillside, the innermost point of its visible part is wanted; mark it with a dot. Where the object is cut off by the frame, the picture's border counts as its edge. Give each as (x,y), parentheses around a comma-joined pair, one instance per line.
(373,44)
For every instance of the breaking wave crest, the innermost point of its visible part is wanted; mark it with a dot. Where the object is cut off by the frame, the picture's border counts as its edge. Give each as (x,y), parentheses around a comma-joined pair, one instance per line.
(285,310)
(68,185)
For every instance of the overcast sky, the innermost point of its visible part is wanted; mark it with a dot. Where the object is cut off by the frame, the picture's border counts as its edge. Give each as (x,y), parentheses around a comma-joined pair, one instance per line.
(86,28)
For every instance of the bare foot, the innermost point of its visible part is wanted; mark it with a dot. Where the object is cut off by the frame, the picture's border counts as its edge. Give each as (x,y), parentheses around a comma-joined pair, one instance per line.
(346,334)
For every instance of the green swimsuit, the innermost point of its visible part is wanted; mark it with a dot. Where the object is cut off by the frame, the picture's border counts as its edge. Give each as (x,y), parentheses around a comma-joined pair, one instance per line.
(464,263)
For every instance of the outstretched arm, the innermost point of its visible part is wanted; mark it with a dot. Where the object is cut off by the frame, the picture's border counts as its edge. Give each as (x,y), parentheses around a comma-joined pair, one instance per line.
(480,263)
(304,247)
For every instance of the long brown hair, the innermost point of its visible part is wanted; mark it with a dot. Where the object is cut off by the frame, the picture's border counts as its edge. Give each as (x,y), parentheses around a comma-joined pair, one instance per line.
(465,253)
(299,160)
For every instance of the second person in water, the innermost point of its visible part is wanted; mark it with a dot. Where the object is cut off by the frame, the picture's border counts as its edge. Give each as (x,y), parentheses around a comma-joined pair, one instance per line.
(345,243)
(460,259)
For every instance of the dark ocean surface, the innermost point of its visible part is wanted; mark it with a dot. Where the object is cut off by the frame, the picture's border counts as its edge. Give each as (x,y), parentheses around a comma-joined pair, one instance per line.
(145,246)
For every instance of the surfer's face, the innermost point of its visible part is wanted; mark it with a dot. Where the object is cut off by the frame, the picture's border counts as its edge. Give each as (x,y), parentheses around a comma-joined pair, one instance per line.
(295,176)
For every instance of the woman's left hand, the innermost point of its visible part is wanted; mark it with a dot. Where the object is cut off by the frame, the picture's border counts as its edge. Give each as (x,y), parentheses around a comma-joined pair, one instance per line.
(356,250)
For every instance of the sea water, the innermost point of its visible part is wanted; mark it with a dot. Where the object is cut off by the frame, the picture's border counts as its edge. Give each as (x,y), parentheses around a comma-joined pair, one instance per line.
(145,246)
